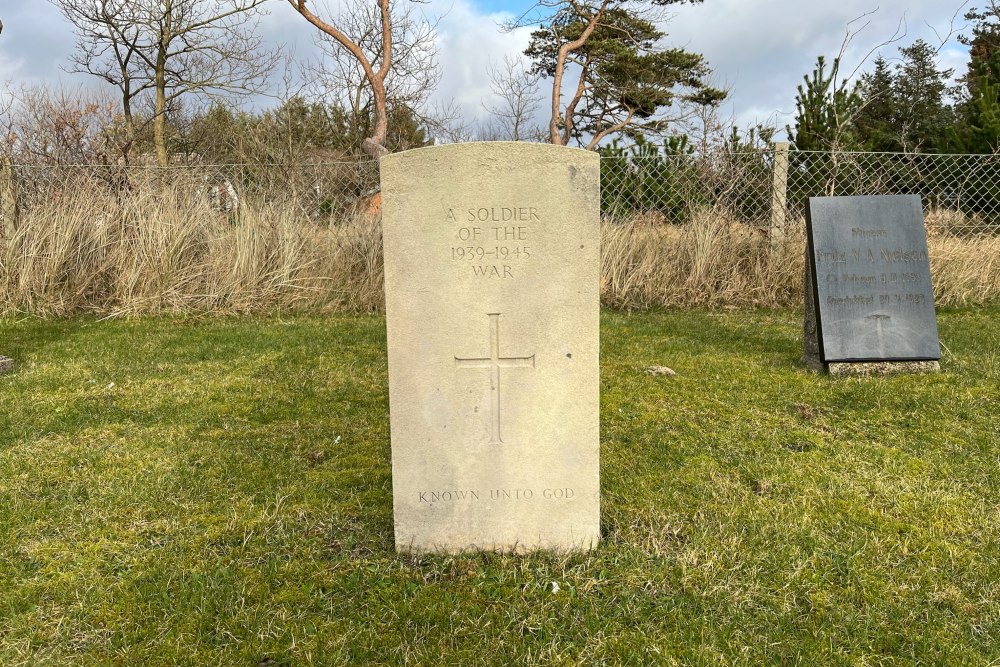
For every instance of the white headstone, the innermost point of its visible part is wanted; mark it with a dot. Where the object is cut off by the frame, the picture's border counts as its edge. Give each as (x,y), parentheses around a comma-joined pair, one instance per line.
(492,269)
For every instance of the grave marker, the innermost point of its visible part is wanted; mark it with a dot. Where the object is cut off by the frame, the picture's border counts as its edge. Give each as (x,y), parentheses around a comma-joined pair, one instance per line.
(869,298)
(492,262)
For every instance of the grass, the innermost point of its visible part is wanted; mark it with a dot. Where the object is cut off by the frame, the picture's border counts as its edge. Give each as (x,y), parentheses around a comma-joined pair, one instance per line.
(165,249)
(217,492)
(162,249)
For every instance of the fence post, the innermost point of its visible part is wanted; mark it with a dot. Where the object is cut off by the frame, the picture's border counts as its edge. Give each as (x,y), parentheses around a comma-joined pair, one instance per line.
(8,223)
(8,198)
(779,191)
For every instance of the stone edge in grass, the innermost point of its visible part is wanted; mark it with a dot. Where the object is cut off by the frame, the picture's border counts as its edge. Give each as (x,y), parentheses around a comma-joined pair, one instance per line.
(6,365)
(843,369)
(882,368)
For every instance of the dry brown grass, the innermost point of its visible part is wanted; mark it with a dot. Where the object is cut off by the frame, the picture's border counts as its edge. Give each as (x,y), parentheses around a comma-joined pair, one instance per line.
(710,262)
(167,250)
(966,272)
(164,249)
(714,262)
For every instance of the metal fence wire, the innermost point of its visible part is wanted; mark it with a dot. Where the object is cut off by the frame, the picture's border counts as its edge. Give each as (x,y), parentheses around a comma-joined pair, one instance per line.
(766,189)
(326,193)
(668,189)
(769,188)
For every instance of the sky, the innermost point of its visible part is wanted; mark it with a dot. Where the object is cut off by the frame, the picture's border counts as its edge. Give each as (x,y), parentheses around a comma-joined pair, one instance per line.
(758,49)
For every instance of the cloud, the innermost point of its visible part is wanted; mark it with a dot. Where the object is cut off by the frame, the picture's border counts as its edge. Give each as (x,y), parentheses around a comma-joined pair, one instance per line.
(471,43)
(761,50)
(469,40)
(36,40)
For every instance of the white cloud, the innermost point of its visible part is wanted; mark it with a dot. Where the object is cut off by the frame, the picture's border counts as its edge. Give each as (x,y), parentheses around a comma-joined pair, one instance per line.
(470,44)
(759,48)
(763,49)
(35,42)
(9,68)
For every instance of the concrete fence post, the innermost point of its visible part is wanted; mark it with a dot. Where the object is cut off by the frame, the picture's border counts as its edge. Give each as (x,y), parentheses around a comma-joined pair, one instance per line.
(779,191)
(8,223)
(8,198)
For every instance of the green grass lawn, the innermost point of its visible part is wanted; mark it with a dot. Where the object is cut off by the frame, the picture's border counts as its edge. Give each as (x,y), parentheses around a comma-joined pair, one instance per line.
(217,492)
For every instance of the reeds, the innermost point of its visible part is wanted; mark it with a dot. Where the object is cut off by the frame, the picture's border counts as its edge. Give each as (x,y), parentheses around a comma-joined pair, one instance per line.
(167,249)
(714,261)
(710,262)
(163,248)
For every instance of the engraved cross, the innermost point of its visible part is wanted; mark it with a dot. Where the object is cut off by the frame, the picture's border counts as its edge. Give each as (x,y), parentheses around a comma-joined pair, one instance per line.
(495,362)
(879,320)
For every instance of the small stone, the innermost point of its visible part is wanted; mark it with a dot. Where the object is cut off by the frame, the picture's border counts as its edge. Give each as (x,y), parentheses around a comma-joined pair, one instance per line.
(661,370)
(6,365)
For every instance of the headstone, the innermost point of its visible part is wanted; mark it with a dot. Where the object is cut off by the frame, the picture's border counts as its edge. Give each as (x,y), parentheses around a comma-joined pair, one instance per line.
(869,299)
(6,365)
(492,266)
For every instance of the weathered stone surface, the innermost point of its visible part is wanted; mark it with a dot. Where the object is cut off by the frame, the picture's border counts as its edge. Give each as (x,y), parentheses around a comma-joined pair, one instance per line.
(882,368)
(492,262)
(6,365)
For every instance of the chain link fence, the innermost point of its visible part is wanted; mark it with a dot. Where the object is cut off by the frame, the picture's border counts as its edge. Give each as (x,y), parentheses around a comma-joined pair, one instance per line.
(724,229)
(768,189)
(669,189)
(327,193)
(765,189)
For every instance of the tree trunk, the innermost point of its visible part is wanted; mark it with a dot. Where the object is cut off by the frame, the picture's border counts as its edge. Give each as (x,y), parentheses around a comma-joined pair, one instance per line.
(558,120)
(129,135)
(555,121)
(375,144)
(126,147)
(160,127)
(160,83)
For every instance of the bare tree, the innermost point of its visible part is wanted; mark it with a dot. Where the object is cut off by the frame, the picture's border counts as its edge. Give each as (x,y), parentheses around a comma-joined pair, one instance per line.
(8,136)
(43,125)
(371,49)
(9,210)
(413,73)
(516,100)
(170,48)
(106,48)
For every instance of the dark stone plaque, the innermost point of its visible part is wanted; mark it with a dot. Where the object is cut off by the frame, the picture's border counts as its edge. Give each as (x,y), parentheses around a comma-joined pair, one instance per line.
(871,279)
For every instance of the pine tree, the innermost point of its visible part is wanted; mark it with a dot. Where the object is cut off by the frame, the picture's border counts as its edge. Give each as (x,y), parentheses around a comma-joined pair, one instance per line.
(824,111)
(875,121)
(627,82)
(984,49)
(979,111)
(923,118)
